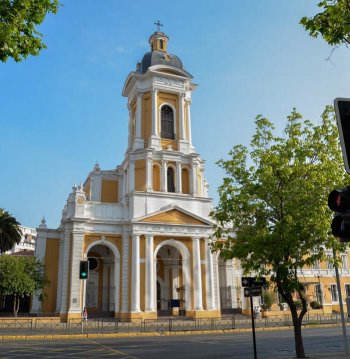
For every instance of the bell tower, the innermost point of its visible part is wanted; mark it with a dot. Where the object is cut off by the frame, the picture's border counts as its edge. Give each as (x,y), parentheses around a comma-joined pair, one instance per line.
(160,156)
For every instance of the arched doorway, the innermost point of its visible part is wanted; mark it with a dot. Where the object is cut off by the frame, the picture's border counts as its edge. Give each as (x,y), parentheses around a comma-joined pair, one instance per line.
(173,279)
(102,287)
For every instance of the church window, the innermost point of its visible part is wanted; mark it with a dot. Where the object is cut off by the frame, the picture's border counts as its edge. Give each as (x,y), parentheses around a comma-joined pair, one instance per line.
(170,180)
(161,44)
(167,122)
(185,179)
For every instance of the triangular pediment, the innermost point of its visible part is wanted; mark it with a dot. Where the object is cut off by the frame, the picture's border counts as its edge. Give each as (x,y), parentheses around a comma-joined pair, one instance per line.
(175,215)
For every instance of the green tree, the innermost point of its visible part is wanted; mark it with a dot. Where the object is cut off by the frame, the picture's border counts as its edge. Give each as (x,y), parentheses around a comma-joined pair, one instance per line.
(18,19)
(10,233)
(333,24)
(269,299)
(272,212)
(21,276)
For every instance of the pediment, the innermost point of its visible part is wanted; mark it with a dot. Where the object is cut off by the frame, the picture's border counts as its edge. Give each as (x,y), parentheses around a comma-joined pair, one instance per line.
(175,216)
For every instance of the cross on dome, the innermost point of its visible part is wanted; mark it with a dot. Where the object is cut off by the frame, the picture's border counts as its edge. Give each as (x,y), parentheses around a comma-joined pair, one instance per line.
(158,24)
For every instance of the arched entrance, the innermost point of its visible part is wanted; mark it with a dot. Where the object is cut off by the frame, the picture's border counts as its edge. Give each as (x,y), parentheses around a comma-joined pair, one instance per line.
(173,279)
(102,287)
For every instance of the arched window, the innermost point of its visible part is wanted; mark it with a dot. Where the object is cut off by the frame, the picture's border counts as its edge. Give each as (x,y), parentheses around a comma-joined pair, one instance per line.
(170,179)
(167,122)
(161,44)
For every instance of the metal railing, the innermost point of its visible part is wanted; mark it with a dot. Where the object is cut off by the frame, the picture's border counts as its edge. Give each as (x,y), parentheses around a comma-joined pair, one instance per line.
(37,326)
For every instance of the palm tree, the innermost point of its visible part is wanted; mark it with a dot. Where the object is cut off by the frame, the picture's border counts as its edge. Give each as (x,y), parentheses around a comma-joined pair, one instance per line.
(10,233)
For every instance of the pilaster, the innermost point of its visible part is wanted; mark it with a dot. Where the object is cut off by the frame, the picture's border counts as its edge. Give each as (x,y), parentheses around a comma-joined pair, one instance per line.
(125,273)
(197,275)
(135,279)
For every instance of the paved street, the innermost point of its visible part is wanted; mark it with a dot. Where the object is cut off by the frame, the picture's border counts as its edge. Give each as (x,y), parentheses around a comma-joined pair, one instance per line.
(319,343)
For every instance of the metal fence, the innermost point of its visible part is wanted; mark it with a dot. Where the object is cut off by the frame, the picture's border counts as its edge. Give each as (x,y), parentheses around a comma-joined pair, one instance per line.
(37,326)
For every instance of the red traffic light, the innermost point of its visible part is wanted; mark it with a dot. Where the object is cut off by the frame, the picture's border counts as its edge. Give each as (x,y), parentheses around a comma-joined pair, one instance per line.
(339,200)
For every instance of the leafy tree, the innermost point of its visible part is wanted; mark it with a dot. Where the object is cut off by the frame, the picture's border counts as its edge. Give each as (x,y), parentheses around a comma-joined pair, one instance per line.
(269,299)
(18,18)
(10,233)
(21,276)
(333,24)
(272,213)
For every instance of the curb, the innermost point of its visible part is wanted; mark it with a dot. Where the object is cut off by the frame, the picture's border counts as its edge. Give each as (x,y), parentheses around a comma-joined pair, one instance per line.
(150,334)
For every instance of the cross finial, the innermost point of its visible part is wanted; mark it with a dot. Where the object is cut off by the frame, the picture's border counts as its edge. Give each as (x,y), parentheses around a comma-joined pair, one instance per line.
(158,24)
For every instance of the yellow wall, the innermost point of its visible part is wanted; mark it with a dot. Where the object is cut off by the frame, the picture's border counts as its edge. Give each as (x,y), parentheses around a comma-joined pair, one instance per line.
(156,178)
(109,191)
(185,179)
(51,264)
(146,118)
(140,175)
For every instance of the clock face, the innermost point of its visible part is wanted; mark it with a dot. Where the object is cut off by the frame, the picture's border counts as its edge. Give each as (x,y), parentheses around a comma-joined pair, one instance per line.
(80,200)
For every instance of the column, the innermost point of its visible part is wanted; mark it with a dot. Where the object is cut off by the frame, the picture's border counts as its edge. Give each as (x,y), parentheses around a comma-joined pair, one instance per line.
(125,273)
(150,279)
(181,116)
(135,274)
(189,123)
(131,176)
(139,142)
(130,137)
(65,264)
(164,179)
(178,181)
(75,305)
(154,113)
(105,286)
(197,274)
(193,186)
(138,115)
(149,173)
(210,276)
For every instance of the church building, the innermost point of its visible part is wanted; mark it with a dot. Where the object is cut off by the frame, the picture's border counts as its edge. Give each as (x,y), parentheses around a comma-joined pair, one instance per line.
(144,226)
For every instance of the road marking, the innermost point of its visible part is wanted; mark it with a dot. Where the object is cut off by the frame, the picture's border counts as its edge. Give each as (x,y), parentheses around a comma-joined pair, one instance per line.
(126,355)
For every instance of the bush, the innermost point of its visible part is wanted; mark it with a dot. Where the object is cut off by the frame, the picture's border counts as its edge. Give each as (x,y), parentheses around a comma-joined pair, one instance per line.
(269,299)
(298,304)
(315,305)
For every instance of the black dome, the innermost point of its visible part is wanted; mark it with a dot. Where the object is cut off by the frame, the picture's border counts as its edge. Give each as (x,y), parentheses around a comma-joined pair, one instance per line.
(158,58)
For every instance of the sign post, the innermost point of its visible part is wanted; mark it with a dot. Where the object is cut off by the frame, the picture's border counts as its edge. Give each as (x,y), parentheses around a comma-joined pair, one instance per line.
(252,288)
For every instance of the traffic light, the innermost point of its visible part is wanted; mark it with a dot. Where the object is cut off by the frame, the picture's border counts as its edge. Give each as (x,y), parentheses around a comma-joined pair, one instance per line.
(84,270)
(342,111)
(339,202)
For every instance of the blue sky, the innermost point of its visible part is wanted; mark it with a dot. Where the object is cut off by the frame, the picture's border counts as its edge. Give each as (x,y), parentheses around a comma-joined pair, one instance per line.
(62,111)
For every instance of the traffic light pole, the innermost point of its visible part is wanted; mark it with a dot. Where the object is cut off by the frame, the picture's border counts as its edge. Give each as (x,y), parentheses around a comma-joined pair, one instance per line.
(340,301)
(253,323)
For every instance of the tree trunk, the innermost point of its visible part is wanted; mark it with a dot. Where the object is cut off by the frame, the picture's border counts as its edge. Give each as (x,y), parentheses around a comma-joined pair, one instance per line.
(299,345)
(16,301)
(298,339)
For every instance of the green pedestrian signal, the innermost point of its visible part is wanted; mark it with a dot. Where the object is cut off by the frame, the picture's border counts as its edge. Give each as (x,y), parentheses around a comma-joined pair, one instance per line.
(84,270)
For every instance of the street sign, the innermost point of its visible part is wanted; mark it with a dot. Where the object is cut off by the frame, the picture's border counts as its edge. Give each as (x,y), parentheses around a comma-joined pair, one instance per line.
(254,291)
(259,282)
(247,281)
(253,282)
(246,292)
